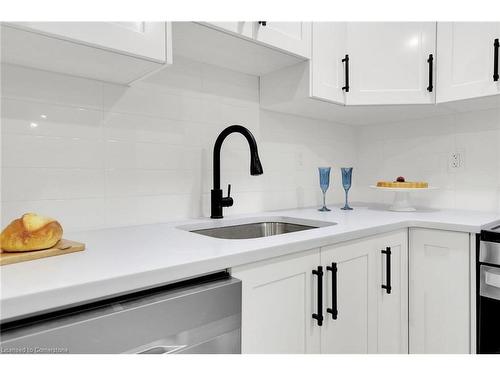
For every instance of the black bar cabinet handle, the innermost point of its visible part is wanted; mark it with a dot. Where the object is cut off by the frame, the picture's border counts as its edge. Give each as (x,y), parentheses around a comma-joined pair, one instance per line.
(333,310)
(319,315)
(346,61)
(263,23)
(496,44)
(430,60)
(387,286)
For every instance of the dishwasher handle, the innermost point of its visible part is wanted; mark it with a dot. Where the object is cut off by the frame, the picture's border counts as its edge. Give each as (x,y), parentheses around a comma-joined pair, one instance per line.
(161,349)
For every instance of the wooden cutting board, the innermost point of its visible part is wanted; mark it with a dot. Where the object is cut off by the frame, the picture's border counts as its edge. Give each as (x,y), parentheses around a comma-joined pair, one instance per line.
(61,248)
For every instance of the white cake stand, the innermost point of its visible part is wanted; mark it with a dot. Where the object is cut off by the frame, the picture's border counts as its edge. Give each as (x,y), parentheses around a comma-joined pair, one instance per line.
(402,201)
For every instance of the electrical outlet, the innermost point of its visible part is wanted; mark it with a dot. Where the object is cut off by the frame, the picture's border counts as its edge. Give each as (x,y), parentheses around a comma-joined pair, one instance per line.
(456,160)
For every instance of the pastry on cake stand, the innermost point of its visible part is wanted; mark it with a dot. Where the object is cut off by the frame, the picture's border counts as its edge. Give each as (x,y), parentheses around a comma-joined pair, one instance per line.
(402,188)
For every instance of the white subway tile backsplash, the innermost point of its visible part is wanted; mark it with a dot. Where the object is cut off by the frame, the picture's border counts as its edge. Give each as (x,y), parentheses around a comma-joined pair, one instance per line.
(136,182)
(149,209)
(119,154)
(35,118)
(218,112)
(147,101)
(159,156)
(109,155)
(73,214)
(20,150)
(479,199)
(51,183)
(421,150)
(103,155)
(127,127)
(183,76)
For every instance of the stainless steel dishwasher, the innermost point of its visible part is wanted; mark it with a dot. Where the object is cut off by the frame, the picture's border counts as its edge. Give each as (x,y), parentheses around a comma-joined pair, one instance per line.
(202,315)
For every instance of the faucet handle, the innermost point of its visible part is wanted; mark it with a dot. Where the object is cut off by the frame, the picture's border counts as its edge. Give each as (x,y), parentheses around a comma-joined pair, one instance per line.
(227,201)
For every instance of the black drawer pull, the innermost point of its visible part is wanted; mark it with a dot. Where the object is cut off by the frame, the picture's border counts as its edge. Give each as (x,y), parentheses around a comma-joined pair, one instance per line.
(430,60)
(319,315)
(333,310)
(387,286)
(346,61)
(496,44)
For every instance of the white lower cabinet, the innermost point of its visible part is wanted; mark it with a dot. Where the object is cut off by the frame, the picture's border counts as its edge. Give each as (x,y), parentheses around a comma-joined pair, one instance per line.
(371,298)
(439,291)
(350,294)
(280,297)
(425,310)
(392,308)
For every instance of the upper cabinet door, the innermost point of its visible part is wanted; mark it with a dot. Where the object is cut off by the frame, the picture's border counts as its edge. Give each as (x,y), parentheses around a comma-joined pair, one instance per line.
(242,28)
(466,60)
(146,40)
(293,37)
(327,69)
(388,62)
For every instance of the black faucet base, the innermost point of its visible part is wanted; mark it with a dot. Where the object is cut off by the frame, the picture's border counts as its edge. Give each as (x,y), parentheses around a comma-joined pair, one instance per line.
(218,202)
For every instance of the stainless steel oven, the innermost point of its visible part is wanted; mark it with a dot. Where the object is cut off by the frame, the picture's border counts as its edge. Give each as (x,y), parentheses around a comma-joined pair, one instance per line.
(489,292)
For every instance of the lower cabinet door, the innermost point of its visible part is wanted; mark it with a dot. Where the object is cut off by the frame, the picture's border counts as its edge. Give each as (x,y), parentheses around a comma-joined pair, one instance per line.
(279,298)
(350,295)
(439,292)
(391,260)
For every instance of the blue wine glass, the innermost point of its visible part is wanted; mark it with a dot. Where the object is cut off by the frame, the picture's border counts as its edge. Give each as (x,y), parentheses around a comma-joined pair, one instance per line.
(346,183)
(324,183)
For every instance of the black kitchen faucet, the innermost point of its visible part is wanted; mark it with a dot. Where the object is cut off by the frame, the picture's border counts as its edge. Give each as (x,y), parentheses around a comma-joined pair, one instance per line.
(218,201)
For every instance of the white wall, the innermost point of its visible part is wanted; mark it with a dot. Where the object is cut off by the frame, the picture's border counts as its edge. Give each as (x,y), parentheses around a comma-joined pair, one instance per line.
(108,155)
(420,150)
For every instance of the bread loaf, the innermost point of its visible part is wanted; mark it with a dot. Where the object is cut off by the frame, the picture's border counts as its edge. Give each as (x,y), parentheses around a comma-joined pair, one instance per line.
(31,232)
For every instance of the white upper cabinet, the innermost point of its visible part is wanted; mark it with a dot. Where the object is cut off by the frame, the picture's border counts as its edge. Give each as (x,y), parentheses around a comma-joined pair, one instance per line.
(356,64)
(389,62)
(244,46)
(327,69)
(466,53)
(242,28)
(293,37)
(120,52)
(139,39)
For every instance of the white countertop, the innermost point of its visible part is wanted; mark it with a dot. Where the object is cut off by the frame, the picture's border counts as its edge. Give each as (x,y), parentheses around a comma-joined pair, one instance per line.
(121,260)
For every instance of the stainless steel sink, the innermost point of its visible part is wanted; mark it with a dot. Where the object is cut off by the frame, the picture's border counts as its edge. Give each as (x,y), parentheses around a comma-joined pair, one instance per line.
(258,229)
